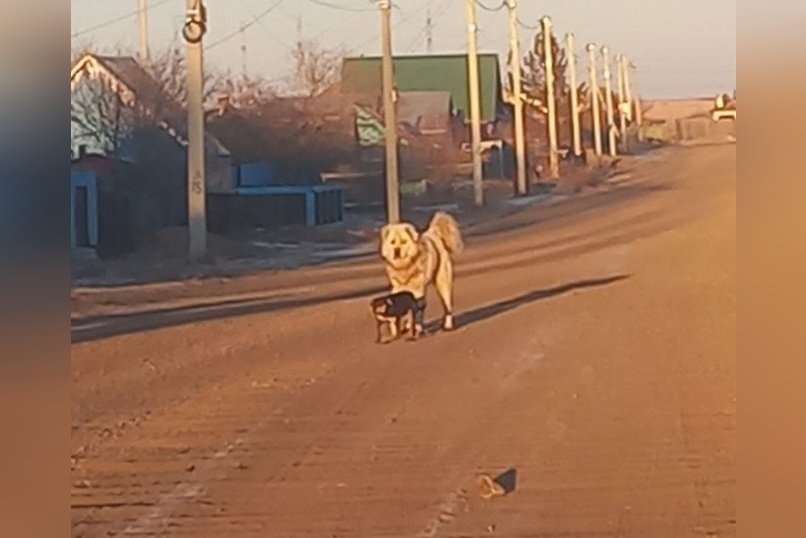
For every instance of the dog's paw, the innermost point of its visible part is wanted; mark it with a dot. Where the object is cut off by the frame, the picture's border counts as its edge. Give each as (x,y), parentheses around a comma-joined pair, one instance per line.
(489,488)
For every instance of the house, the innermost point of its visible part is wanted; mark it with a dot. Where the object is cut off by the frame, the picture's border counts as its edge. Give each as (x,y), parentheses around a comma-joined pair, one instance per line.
(432,73)
(138,91)
(279,147)
(83,209)
(433,108)
(285,141)
(686,119)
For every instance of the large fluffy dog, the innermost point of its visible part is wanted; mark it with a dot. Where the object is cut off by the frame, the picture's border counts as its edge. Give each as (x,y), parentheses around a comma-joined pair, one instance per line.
(414,260)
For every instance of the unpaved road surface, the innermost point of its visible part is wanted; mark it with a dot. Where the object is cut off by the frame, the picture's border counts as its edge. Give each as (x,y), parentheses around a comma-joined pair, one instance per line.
(595,356)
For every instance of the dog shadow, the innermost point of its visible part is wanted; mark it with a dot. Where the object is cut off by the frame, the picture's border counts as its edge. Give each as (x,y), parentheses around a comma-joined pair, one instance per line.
(508,480)
(490,311)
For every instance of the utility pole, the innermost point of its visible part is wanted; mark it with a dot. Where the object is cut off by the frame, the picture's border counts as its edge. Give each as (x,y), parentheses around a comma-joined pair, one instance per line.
(554,163)
(611,127)
(515,66)
(142,13)
(193,32)
(475,105)
(594,97)
(622,102)
(429,29)
(572,63)
(625,66)
(634,98)
(389,116)
(244,68)
(299,31)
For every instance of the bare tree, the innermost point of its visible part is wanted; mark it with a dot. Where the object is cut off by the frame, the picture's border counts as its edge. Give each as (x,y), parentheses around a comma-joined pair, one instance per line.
(102,114)
(169,70)
(98,116)
(245,92)
(534,74)
(316,68)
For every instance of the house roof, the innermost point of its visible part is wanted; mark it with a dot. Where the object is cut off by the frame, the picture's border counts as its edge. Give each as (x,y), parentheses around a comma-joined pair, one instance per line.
(445,73)
(424,110)
(124,73)
(126,76)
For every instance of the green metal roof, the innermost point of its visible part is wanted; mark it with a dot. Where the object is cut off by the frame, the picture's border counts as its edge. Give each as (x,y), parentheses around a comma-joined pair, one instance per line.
(429,73)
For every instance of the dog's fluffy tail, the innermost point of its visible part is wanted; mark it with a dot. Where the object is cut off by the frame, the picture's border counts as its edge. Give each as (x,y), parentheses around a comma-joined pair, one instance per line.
(446,228)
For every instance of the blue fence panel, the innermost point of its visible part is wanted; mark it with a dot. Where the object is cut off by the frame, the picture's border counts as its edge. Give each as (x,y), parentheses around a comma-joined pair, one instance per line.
(257,174)
(84,179)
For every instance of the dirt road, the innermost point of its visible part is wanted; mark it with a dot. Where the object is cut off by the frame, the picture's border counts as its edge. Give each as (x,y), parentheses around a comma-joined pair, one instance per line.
(595,356)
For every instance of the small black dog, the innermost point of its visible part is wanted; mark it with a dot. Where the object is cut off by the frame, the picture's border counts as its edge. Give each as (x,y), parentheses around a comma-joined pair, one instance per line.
(401,312)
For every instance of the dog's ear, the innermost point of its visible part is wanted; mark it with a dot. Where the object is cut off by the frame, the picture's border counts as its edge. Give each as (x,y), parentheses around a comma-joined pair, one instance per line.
(385,231)
(411,231)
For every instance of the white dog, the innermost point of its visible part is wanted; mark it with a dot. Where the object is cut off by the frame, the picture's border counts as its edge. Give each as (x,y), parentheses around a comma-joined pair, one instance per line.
(414,260)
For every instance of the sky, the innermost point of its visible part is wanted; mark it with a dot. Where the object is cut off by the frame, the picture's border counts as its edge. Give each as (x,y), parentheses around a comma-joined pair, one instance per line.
(681,48)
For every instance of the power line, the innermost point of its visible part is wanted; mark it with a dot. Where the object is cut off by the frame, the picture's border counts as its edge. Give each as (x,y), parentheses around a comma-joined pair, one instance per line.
(255,19)
(115,20)
(438,12)
(271,34)
(501,6)
(394,27)
(527,26)
(342,8)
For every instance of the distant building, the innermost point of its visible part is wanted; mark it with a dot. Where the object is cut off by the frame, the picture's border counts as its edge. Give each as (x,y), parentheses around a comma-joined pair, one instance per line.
(445,73)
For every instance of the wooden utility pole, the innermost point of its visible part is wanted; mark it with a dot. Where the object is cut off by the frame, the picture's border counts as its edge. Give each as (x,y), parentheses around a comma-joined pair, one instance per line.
(551,103)
(622,101)
(572,62)
(475,104)
(611,127)
(594,97)
(389,116)
(193,32)
(521,186)
(142,12)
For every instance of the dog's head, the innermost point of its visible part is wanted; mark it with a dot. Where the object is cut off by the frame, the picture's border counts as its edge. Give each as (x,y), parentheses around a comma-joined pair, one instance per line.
(399,244)
(382,305)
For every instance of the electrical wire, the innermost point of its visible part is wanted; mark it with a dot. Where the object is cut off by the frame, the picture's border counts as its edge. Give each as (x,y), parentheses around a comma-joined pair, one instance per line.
(527,26)
(115,20)
(488,8)
(255,20)
(438,12)
(394,26)
(342,8)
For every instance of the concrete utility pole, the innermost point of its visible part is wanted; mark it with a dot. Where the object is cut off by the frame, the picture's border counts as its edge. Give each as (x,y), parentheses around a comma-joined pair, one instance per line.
(594,97)
(521,186)
(572,63)
(429,30)
(625,66)
(389,116)
(635,99)
(142,12)
(193,32)
(554,163)
(621,102)
(475,105)
(244,63)
(611,127)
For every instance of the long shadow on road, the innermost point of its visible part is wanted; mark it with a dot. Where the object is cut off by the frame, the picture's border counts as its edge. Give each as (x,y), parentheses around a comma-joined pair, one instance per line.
(495,309)
(108,326)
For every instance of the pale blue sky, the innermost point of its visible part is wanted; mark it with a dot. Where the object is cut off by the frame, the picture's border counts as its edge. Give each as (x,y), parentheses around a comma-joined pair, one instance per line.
(681,47)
